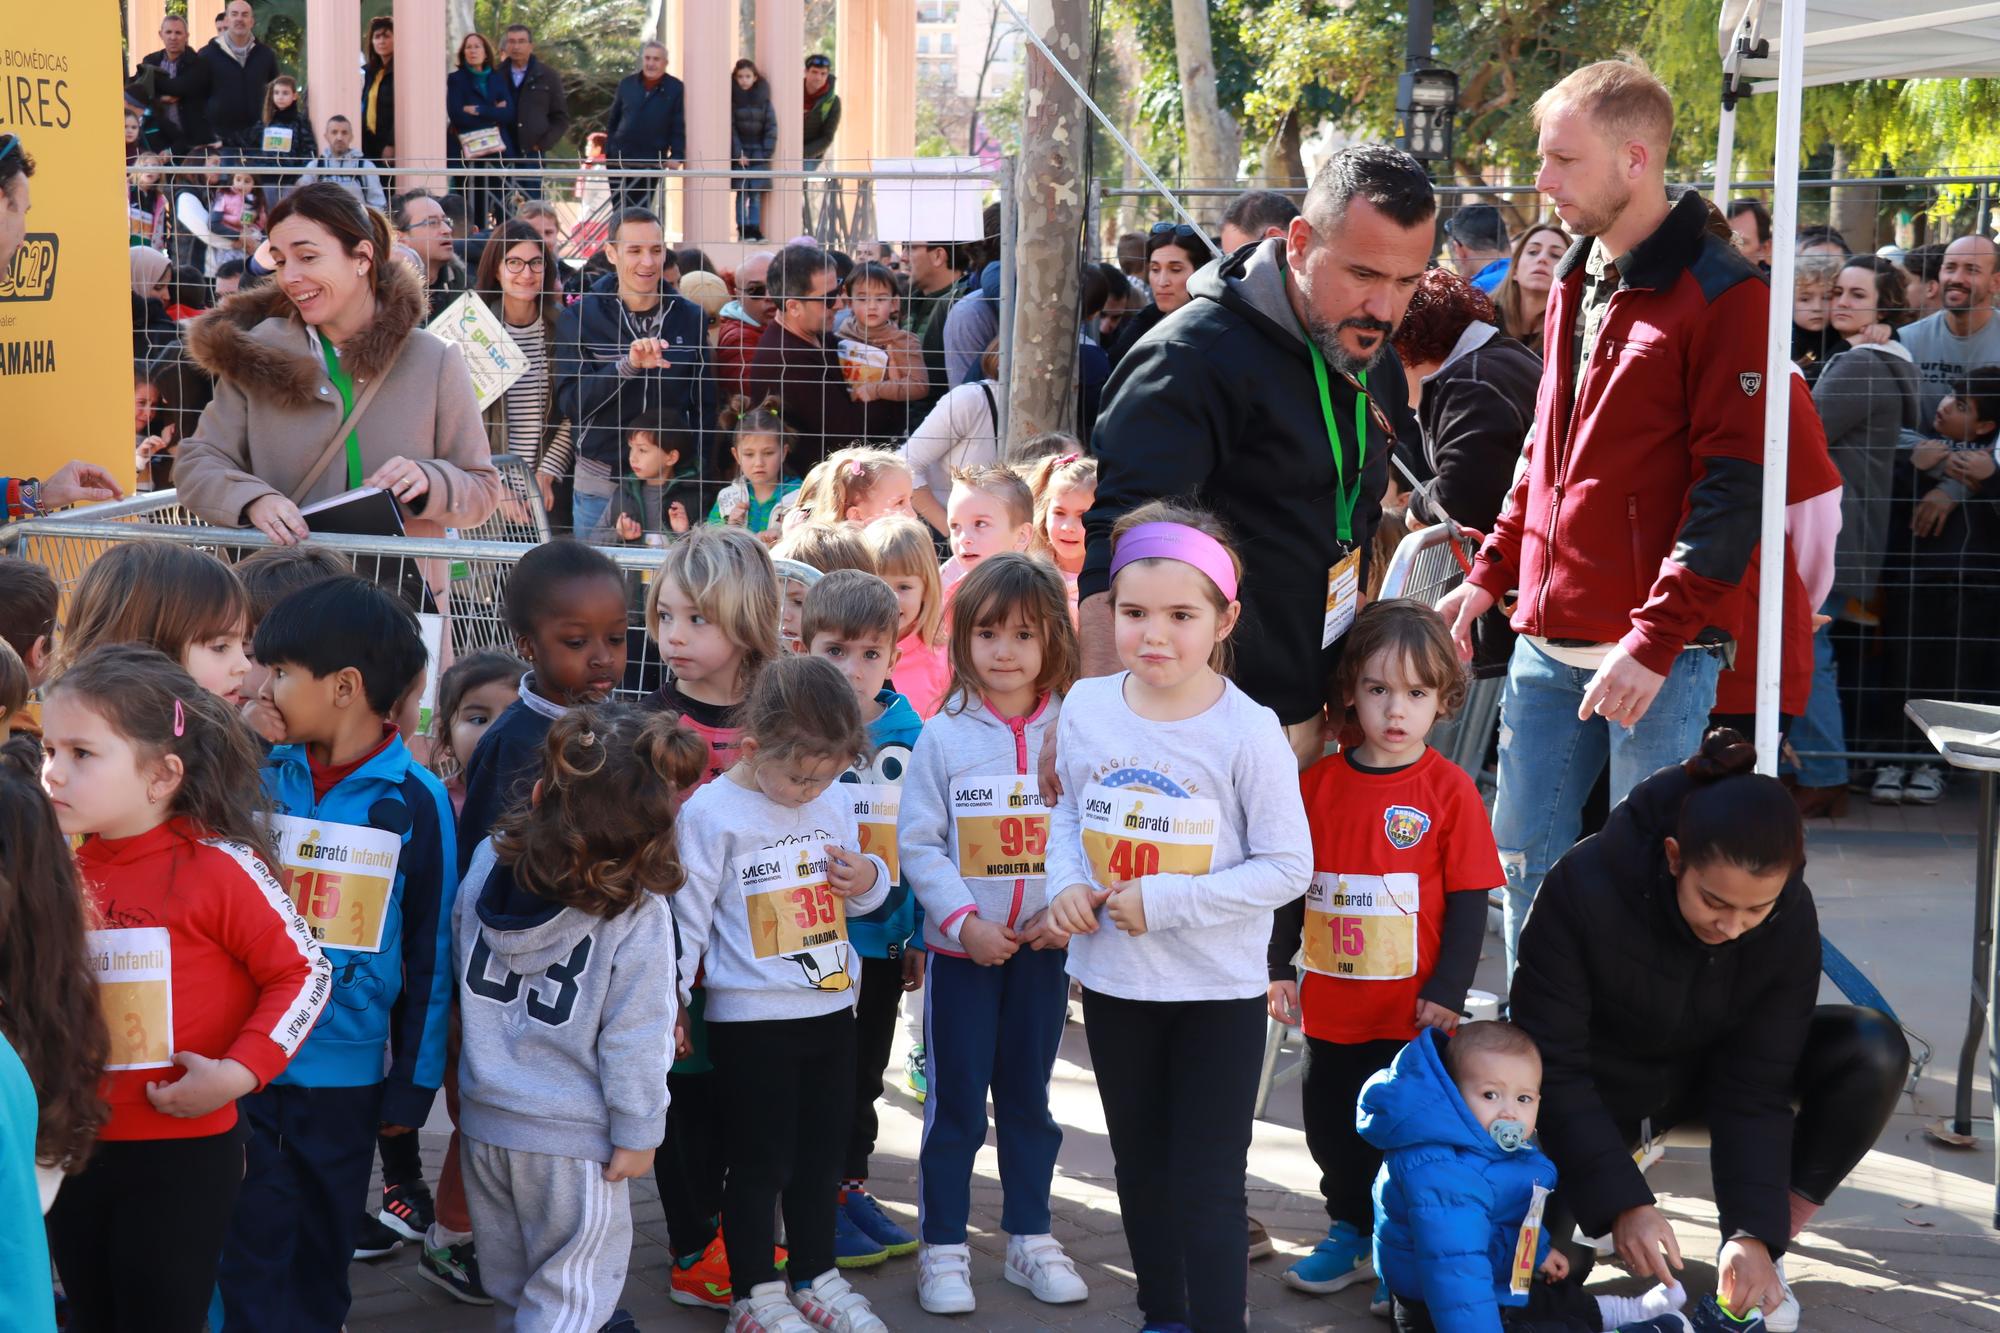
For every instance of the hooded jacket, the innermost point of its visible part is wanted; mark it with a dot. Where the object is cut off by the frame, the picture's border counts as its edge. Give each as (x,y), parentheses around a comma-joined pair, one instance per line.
(275,409)
(822,119)
(886,931)
(753,131)
(1218,402)
(1867,397)
(646,124)
(399,997)
(1449,1201)
(1476,411)
(1636,1018)
(1638,510)
(596,392)
(566,1019)
(736,335)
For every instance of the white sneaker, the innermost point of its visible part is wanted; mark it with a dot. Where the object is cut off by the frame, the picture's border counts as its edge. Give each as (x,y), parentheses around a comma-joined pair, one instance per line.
(1784,1319)
(1925,787)
(767,1310)
(830,1303)
(1888,788)
(944,1279)
(1039,1264)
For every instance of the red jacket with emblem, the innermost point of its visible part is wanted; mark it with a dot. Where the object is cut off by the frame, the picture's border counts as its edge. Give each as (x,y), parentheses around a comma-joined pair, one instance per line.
(1635,518)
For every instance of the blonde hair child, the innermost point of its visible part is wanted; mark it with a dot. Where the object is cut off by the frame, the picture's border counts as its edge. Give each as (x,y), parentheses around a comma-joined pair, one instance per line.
(906,559)
(990,510)
(713,612)
(182,601)
(857,485)
(822,546)
(1064,487)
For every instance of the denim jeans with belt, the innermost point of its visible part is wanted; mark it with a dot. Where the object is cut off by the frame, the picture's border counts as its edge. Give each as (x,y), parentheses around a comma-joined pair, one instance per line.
(1549,760)
(1821,730)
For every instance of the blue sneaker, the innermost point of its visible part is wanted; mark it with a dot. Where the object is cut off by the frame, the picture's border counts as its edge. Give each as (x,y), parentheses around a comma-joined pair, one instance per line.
(860,1208)
(1380,1303)
(1708,1315)
(913,1073)
(1344,1258)
(853,1247)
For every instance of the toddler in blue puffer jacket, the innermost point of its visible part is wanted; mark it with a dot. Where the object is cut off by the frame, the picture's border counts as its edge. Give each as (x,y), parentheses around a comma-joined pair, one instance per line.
(1458,1203)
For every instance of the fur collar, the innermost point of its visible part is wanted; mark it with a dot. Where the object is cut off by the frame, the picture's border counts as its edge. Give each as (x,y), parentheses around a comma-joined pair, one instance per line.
(226,343)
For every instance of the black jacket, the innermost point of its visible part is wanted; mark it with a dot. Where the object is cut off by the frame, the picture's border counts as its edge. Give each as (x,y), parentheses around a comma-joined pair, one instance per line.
(377,144)
(236,93)
(822,119)
(541,108)
(190,83)
(1136,326)
(1475,414)
(753,131)
(494,107)
(1218,402)
(1636,1018)
(647,126)
(591,338)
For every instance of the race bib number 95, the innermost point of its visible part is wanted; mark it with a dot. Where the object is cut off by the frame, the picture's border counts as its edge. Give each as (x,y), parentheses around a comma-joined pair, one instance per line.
(1003,826)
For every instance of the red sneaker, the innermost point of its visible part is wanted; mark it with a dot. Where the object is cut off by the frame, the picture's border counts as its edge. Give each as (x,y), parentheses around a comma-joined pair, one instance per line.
(705,1283)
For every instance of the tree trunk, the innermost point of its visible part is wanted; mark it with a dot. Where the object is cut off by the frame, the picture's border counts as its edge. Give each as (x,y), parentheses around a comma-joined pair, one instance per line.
(1041,372)
(458,21)
(1214,141)
(1285,161)
(1851,209)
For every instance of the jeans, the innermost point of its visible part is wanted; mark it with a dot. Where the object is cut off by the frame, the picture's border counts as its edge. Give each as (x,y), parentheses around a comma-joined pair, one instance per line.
(1549,760)
(749,210)
(1821,728)
(586,511)
(529,182)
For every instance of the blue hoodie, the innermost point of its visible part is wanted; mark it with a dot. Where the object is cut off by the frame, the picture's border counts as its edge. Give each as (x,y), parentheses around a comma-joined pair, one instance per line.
(886,931)
(401,996)
(1449,1200)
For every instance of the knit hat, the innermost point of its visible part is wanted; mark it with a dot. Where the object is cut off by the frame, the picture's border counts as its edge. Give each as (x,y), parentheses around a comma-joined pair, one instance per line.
(706,290)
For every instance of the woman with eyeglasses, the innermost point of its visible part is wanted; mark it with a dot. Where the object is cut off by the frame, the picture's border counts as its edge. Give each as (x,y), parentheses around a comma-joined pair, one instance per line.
(1174,250)
(519,281)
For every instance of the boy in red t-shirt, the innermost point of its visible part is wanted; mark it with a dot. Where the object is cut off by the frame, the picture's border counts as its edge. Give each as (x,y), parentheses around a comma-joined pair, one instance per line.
(1403,857)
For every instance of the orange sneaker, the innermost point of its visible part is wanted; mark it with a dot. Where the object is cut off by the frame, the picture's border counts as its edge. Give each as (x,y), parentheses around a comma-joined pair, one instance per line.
(705,1282)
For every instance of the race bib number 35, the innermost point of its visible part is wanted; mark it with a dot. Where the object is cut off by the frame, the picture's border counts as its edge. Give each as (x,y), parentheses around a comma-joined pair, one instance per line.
(1003,827)
(795,917)
(339,876)
(1362,927)
(135,986)
(1128,833)
(875,808)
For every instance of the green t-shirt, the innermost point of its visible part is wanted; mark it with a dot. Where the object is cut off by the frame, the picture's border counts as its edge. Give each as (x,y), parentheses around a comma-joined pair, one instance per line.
(343,384)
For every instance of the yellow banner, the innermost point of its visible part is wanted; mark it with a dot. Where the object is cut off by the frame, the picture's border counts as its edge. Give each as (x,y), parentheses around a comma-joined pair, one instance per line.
(1362,927)
(65,294)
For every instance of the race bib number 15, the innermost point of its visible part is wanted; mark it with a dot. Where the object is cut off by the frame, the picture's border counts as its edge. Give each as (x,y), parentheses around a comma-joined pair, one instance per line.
(1362,927)
(340,877)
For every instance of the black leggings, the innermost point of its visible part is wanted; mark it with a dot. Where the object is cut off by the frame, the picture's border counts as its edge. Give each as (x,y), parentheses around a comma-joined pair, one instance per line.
(874,1033)
(1553,1307)
(1179,1085)
(689,1165)
(1347,1162)
(138,1235)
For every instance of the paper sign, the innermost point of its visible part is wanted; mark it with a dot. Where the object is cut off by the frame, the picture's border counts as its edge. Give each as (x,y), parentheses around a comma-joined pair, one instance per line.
(431,626)
(1003,826)
(493,358)
(339,876)
(794,915)
(135,986)
(935,208)
(1362,927)
(1129,832)
(875,807)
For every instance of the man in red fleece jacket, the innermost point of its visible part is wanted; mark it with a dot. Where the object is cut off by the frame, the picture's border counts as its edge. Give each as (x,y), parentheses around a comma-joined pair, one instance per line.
(1629,532)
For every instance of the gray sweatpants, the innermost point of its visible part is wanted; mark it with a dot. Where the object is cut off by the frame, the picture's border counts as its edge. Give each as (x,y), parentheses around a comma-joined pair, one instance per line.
(554,1238)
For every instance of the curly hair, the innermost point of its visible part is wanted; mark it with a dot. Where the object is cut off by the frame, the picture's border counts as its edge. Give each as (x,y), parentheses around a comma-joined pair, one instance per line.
(1442,307)
(599,834)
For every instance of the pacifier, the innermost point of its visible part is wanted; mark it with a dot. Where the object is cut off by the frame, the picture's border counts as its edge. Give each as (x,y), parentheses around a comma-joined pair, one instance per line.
(1511,1135)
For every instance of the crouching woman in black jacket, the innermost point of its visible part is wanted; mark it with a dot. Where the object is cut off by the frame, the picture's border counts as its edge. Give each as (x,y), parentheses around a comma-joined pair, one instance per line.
(1669,973)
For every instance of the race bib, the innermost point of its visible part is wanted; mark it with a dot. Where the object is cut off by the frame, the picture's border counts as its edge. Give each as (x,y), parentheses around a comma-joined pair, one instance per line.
(277,138)
(1129,832)
(1362,927)
(1523,1276)
(875,807)
(135,986)
(339,876)
(796,919)
(1003,826)
(1343,597)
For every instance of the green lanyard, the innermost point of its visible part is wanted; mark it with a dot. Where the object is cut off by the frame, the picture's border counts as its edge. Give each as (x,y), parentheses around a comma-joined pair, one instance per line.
(1345,497)
(344,385)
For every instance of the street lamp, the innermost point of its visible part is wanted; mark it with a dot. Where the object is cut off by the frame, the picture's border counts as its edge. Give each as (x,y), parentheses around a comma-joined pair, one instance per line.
(1426,101)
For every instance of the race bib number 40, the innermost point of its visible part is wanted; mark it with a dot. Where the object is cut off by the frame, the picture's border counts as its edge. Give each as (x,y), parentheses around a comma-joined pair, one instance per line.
(135,986)
(875,808)
(1128,833)
(1003,826)
(795,917)
(339,876)
(1362,927)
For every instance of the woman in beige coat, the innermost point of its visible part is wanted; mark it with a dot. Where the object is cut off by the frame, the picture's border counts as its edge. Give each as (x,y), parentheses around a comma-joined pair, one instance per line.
(290,357)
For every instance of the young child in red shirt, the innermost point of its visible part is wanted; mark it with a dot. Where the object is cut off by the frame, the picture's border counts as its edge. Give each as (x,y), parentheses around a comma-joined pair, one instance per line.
(1403,856)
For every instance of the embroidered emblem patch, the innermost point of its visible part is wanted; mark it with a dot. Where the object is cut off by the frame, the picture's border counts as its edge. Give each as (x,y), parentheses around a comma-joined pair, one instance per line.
(1405,826)
(1751,380)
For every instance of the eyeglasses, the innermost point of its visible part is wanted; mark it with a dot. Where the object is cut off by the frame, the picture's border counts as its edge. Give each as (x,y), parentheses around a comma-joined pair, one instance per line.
(1182,233)
(427,223)
(517,265)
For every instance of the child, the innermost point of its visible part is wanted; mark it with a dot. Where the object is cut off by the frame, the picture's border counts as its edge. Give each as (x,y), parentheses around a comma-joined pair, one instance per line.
(1966,422)
(566,609)
(850,620)
(871,295)
(1458,1211)
(822,546)
(28,603)
(235,214)
(209,980)
(269,575)
(471,697)
(1180,821)
(905,557)
(713,611)
(182,601)
(858,485)
(972,834)
(565,951)
(648,504)
(771,876)
(287,138)
(148,204)
(342,653)
(990,511)
(1064,487)
(14,687)
(759,449)
(1403,856)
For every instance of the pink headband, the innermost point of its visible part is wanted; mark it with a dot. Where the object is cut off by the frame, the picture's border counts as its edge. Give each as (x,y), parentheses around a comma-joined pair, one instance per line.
(1177,541)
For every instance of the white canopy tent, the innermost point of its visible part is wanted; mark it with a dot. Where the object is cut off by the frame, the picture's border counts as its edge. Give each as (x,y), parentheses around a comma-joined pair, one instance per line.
(1781,47)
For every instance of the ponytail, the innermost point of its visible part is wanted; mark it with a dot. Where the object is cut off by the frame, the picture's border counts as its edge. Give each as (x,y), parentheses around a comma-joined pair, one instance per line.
(1736,814)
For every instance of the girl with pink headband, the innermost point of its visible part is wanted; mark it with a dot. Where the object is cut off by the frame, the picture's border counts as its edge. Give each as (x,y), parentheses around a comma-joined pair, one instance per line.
(1178,831)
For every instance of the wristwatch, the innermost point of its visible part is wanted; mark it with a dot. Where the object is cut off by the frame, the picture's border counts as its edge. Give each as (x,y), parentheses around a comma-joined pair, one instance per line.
(31,494)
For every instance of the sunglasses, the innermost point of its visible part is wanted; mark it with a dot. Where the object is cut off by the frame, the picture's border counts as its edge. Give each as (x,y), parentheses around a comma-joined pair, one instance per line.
(755,289)
(818,62)
(1182,234)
